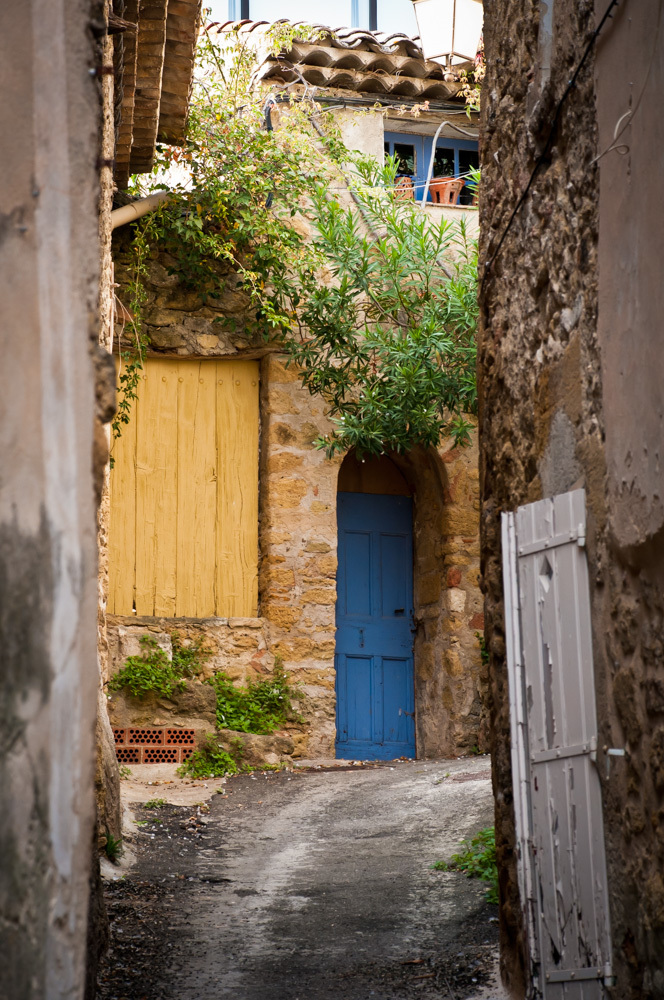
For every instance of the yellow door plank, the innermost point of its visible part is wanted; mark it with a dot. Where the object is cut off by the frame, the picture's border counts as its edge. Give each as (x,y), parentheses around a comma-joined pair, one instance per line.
(156,491)
(197,489)
(122,523)
(237,495)
(184,493)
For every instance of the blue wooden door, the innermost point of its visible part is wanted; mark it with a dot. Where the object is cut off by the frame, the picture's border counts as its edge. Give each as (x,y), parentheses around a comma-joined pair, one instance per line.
(374,641)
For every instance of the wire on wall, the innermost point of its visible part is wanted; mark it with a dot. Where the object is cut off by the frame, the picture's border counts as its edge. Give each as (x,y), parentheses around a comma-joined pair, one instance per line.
(550,137)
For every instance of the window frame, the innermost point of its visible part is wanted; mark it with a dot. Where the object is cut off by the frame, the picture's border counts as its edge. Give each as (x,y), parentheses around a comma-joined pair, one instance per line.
(423,145)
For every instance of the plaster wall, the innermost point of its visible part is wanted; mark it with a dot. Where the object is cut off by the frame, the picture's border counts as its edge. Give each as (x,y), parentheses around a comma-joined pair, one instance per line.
(48,295)
(630,72)
(629,606)
(570,395)
(362,132)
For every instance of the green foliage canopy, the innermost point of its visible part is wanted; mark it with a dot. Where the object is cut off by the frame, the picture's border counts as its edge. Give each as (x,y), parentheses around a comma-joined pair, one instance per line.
(378,310)
(389,342)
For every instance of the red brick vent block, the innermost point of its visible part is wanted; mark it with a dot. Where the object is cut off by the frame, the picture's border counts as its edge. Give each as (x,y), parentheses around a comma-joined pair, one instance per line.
(146,746)
(161,755)
(145,737)
(180,737)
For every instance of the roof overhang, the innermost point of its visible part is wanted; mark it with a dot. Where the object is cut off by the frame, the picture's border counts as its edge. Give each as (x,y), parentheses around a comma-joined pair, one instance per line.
(350,60)
(154,71)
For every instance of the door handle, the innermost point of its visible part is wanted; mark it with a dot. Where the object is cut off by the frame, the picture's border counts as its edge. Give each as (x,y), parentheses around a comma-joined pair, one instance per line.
(361,638)
(399,611)
(411,715)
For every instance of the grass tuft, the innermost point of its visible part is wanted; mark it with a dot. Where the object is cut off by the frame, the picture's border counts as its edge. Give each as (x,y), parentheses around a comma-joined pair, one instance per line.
(476,859)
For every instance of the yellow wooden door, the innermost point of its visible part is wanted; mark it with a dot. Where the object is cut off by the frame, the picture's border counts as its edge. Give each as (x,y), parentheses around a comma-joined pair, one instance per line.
(183,537)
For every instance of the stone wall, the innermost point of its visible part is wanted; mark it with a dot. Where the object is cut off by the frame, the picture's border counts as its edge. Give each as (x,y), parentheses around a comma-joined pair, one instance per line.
(107,778)
(548,405)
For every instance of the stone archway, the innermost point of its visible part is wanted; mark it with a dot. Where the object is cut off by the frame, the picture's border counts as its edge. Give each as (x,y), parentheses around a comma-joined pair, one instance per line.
(446,595)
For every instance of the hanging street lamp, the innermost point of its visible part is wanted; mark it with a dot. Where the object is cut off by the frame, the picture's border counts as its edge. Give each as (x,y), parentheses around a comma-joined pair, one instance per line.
(450,30)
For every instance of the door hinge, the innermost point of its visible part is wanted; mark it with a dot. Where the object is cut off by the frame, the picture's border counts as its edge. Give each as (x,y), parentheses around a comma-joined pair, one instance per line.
(559,753)
(577,535)
(576,975)
(613,752)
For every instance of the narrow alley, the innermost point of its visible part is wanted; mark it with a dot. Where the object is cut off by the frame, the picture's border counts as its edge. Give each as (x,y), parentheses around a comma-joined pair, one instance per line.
(304,884)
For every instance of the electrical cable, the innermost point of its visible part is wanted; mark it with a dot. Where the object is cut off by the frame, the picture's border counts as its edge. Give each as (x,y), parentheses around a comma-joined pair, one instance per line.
(622,148)
(549,140)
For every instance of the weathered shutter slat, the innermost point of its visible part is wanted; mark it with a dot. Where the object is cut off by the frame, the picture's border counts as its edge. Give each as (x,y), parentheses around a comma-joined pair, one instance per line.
(519,737)
(197,488)
(571,954)
(122,526)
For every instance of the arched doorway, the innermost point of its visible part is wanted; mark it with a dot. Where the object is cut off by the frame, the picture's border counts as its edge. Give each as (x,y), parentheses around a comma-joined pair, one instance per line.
(374,616)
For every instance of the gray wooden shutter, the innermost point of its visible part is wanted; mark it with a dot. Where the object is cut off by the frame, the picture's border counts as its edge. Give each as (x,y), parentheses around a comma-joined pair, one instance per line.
(560,833)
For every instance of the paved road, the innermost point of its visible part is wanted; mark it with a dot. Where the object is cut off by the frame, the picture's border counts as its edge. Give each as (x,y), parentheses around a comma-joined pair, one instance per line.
(314,886)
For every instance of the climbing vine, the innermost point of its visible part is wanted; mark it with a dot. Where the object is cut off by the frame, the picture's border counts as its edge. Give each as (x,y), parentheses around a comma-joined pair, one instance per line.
(373,301)
(133,351)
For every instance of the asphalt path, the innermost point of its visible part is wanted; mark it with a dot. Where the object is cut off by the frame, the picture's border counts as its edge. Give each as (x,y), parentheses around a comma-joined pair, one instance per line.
(314,885)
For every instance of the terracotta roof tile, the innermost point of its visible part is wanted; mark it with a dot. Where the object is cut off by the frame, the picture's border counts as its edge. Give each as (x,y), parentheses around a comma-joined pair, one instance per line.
(353,59)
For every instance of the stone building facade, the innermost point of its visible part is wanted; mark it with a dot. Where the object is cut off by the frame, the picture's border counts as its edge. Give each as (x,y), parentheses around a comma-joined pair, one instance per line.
(298,552)
(298,485)
(570,376)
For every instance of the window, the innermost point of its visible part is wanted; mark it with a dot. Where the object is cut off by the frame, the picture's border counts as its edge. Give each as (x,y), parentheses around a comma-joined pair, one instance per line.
(468,160)
(183,537)
(390,16)
(452,158)
(406,157)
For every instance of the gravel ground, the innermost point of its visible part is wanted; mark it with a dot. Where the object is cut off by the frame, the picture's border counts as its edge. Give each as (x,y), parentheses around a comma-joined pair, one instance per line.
(307,885)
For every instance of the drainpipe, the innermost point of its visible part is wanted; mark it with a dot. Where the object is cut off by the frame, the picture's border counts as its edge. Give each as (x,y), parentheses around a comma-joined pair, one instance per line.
(442,125)
(136,209)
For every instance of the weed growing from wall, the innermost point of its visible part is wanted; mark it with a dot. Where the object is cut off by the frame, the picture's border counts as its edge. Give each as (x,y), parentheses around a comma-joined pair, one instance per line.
(260,707)
(153,671)
(113,848)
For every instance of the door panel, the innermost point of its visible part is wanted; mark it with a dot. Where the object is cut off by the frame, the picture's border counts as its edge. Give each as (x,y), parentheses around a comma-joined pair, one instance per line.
(394,555)
(357,590)
(374,661)
(397,700)
(360,671)
(558,808)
